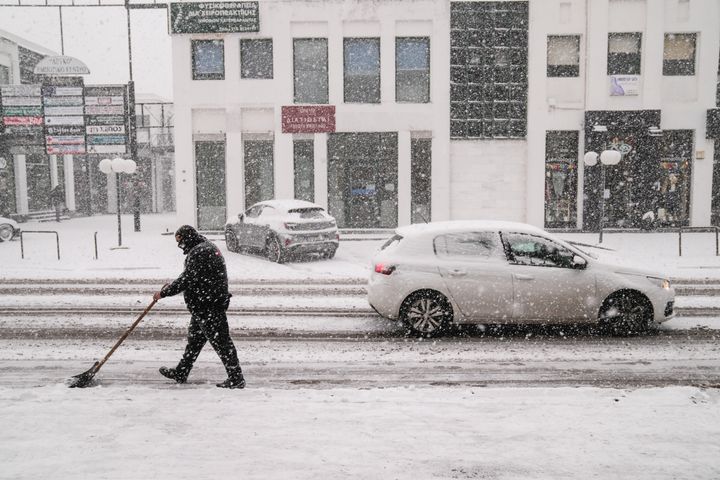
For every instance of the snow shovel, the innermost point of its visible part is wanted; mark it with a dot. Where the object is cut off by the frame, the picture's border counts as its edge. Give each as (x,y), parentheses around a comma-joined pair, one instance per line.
(85,379)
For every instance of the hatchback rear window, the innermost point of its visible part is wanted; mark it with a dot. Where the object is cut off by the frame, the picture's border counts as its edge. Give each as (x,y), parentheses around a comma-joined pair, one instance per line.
(306,213)
(395,239)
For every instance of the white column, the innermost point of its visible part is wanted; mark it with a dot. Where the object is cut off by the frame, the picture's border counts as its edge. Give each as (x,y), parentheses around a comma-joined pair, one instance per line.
(284,166)
(184,167)
(404,191)
(112,193)
(321,169)
(234,163)
(21,193)
(69,182)
(53,171)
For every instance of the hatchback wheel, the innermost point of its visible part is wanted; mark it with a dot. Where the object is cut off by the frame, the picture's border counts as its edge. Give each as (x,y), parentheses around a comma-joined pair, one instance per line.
(626,314)
(273,250)
(6,232)
(426,313)
(231,241)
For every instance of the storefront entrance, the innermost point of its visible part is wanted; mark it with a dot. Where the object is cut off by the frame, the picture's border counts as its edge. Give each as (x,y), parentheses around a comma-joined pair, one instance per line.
(210,184)
(362,179)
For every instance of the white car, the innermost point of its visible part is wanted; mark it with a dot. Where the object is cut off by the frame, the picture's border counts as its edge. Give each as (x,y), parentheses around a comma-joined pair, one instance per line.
(8,229)
(283,228)
(432,275)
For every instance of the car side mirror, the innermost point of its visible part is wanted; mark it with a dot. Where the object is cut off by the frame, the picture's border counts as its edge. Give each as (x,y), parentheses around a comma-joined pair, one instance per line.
(579,262)
(241,217)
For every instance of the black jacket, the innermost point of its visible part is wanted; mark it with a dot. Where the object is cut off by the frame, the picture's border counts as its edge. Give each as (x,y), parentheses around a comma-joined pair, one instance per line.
(204,281)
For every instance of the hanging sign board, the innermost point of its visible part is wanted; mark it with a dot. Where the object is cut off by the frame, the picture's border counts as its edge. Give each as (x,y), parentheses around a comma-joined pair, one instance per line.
(66,149)
(308,119)
(105,129)
(78,110)
(104,110)
(53,91)
(64,121)
(20,91)
(23,120)
(22,101)
(65,130)
(114,100)
(61,66)
(22,111)
(214,17)
(106,149)
(65,140)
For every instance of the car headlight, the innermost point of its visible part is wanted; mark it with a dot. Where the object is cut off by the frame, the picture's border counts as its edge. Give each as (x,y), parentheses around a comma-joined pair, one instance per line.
(663,283)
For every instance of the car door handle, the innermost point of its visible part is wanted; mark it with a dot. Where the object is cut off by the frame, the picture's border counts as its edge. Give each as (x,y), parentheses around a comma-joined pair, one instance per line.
(521,276)
(457,273)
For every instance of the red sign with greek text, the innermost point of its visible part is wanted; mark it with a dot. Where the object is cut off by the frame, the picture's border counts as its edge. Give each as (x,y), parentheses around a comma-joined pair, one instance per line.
(308,119)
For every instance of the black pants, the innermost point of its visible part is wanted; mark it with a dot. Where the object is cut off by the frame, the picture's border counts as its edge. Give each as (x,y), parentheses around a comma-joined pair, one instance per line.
(209,325)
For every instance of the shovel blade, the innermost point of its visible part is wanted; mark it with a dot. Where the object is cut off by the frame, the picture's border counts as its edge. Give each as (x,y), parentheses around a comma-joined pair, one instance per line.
(84,379)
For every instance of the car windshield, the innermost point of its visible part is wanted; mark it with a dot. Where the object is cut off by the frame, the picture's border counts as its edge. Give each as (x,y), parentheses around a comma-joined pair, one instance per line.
(306,213)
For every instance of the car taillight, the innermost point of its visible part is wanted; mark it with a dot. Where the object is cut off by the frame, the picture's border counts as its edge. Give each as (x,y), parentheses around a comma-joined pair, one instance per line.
(384,269)
(337,237)
(288,241)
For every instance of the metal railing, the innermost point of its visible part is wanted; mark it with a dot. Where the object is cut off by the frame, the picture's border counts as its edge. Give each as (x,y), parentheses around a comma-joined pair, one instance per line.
(22,243)
(679,231)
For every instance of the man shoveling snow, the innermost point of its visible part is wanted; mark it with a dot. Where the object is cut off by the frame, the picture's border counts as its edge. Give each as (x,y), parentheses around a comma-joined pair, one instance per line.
(205,286)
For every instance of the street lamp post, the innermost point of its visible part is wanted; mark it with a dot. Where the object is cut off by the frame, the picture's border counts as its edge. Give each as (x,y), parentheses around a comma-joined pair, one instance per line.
(117,166)
(607,157)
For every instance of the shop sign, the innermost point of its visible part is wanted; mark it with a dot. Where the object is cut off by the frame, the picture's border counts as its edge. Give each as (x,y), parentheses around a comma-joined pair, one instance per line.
(106,149)
(106,139)
(214,17)
(20,91)
(105,130)
(107,120)
(22,101)
(23,120)
(62,101)
(308,119)
(64,120)
(27,137)
(65,140)
(50,91)
(61,65)
(22,111)
(105,110)
(22,130)
(624,85)
(105,91)
(65,130)
(27,150)
(115,100)
(66,149)
(78,110)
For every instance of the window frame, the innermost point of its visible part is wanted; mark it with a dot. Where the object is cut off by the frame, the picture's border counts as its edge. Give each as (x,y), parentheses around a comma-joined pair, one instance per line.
(296,100)
(678,68)
(397,69)
(346,40)
(246,41)
(567,70)
(630,62)
(206,76)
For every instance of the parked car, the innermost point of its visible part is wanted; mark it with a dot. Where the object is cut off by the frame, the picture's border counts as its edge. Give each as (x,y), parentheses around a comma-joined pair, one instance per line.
(8,229)
(432,275)
(281,229)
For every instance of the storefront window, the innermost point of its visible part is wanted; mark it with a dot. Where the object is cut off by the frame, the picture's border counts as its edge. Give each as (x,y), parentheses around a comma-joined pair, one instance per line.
(210,184)
(208,59)
(259,173)
(412,70)
(672,187)
(304,158)
(256,58)
(421,184)
(561,154)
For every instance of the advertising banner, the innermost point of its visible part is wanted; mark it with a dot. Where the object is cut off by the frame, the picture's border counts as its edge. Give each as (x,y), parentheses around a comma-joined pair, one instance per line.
(624,85)
(106,139)
(214,17)
(105,110)
(65,140)
(20,91)
(106,149)
(65,130)
(66,149)
(51,91)
(62,101)
(115,100)
(105,129)
(53,111)
(106,120)
(64,120)
(23,120)
(22,111)
(22,101)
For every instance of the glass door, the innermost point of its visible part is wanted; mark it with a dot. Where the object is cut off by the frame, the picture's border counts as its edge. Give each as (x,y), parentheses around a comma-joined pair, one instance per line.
(210,185)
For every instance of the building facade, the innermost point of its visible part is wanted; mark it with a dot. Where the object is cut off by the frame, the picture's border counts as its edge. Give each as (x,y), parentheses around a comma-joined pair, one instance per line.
(402,111)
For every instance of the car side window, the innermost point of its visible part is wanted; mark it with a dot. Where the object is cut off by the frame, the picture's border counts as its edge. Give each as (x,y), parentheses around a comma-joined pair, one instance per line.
(524,249)
(469,245)
(267,211)
(254,212)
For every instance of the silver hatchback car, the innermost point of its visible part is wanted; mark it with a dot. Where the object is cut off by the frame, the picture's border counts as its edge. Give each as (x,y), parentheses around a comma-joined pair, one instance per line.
(432,275)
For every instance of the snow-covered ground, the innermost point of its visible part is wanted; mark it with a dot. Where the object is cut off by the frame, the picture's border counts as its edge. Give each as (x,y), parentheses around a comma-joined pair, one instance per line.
(152,255)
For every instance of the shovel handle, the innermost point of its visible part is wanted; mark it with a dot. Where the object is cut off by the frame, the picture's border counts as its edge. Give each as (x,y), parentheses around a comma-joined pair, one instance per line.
(125,335)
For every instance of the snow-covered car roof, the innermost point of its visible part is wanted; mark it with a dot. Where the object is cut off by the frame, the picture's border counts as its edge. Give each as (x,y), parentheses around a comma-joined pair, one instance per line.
(289,204)
(10,221)
(434,228)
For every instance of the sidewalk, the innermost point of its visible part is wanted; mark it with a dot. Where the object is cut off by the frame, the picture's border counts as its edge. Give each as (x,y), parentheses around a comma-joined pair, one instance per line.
(154,257)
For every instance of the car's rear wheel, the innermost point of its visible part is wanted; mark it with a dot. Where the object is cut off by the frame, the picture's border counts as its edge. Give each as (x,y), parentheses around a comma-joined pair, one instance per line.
(6,232)
(231,241)
(427,313)
(329,253)
(626,313)
(273,250)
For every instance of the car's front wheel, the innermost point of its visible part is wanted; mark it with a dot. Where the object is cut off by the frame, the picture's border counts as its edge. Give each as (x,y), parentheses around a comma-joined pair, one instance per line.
(427,313)
(626,313)
(231,241)
(273,250)
(6,232)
